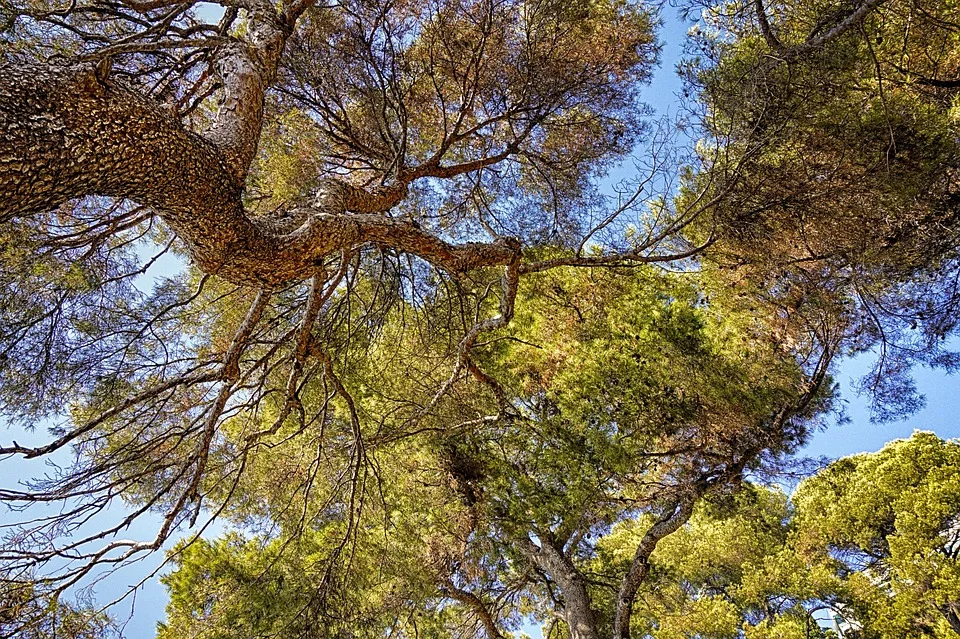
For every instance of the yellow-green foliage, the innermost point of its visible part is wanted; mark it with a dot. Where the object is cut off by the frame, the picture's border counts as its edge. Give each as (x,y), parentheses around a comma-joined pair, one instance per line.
(872,538)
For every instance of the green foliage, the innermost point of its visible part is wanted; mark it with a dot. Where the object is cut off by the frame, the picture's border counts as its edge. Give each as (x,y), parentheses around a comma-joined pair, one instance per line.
(374,561)
(621,387)
(611,369)
(887,524)
(25,615)
(398,460)
(871,539)
(835,162)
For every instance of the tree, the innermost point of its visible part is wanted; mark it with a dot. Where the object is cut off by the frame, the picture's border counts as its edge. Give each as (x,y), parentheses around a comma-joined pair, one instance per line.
(384,211)
(630,396)
(840,159)
(729,572)
(871,539)
(886,524)
(25,614)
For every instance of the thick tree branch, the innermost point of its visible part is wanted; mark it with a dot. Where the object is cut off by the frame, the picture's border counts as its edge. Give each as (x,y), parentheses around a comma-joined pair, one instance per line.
(853,19)
(679,512)
(149,5)
(66,133)
(814,41)
(668,523)
(765,29)
(477,605)
(246,67)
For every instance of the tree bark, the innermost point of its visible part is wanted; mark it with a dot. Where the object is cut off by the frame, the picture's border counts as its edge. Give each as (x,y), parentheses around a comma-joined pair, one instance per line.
(577,612)
(640,566)
(66,132)
(478,607)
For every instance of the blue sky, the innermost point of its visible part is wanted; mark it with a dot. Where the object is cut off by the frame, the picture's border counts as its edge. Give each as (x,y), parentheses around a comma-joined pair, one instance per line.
(940,414)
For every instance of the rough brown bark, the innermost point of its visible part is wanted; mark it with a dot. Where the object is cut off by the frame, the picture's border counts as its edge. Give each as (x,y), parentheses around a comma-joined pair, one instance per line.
(66,133)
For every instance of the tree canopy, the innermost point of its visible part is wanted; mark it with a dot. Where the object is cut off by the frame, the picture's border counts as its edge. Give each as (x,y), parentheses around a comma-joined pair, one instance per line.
(870,542)
(352,279)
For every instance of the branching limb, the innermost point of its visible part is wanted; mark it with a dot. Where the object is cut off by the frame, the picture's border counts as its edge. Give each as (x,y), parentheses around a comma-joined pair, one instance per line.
(577,611)
(768,35)
(674,516)
(230,372)
(321,289)
(814,41)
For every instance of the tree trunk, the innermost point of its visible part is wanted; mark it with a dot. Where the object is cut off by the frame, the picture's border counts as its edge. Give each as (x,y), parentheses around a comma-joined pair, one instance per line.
(640,566)
(577,612)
